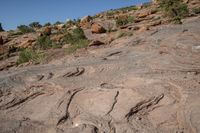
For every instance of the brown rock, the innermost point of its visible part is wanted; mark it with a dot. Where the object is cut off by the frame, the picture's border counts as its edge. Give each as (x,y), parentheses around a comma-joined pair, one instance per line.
(97,28)
(143,28)
(86,22)
(155,23)
(26,43)
(143,14)
(46,31)
(57,38)
(96,43)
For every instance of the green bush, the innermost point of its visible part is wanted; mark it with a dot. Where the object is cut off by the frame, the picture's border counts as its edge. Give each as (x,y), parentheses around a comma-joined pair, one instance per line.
(45,42)
(174,8)
(76,39)
(25,29)
(121,21)
(27,55)
(196,10)
(47,24)
(35,25)
(125,20)
(82,43)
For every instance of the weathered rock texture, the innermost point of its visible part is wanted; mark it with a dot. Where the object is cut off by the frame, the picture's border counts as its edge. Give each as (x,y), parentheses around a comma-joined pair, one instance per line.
(146,83)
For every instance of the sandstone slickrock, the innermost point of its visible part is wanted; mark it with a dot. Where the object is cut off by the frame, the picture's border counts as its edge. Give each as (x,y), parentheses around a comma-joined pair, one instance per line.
(129,87)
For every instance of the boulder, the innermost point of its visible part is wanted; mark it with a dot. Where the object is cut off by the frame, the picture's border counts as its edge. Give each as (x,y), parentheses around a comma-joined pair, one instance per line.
(46,31)
(26,43)
(143,28)
(60,26)
(97,28)
(143,14)
(86,22)
(96,43)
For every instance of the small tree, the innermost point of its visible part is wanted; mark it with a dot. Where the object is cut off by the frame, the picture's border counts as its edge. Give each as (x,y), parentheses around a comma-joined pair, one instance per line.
(35,25)
(47,24)
(57,23)
(25,29)
(1,29)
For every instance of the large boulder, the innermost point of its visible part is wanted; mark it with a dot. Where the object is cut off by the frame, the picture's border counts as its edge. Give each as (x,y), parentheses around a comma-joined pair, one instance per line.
(97,28)
(46,31)
(86,22)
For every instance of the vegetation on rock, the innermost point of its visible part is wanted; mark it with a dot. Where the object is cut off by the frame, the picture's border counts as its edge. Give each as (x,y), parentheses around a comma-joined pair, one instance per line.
(25,29)
(35,25)
(27,55)
(175,9)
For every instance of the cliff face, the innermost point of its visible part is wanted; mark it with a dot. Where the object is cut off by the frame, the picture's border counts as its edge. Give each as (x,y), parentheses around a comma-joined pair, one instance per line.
(146,81)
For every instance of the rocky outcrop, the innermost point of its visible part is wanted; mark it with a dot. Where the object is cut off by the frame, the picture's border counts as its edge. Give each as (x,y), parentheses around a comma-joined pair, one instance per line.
(97,28)
(86,22)
(46,31)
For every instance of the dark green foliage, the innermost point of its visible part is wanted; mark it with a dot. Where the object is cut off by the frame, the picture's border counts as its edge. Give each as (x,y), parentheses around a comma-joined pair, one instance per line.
(1,29)
(45,42)
(76,40)
(27,55)
(121,21)
(57,23)
(174,8)
(196,10)
(25,29)
(35,25)
(76,35)
(47,24)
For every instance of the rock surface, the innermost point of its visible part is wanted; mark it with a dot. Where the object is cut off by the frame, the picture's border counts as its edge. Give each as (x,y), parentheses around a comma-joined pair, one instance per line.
(97,28)
(145,83)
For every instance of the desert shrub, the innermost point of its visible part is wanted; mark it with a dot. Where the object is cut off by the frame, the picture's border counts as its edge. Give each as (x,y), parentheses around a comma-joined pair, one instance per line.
(27,55)
(45,42)
(35,25)
(110,13)
(129,8)
(25,29)
(47,24)
(76,39)
(121,21)
(124,20)
(196,10)
(1,29)
(174,8)
(57,23)
(123,34)
(146,4)
(82,43)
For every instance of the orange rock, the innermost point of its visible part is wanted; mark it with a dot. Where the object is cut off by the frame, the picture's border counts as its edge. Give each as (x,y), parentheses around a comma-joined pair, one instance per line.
(86,22)
(97,28)
(46,31)
(27,43)
(143,14)
(143,28)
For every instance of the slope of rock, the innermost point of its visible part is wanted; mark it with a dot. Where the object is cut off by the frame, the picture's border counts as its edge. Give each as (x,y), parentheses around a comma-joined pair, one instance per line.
(145,83)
